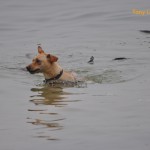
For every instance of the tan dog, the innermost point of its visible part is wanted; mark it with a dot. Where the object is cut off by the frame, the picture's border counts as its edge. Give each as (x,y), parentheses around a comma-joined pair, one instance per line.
(48,65)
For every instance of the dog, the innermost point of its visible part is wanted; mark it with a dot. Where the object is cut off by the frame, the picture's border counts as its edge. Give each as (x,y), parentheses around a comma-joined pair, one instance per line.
(48,65)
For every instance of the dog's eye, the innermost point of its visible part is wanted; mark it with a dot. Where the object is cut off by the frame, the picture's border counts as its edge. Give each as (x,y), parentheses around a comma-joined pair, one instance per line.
(38,61)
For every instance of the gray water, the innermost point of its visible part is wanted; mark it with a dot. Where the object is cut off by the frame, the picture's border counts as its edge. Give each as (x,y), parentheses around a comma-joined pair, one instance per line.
(112,111)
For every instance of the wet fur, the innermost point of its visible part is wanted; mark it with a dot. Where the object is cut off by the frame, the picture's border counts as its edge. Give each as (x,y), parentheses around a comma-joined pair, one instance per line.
(48,65)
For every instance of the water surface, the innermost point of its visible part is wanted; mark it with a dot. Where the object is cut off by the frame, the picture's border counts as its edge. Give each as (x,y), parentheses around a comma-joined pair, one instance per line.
(112,111)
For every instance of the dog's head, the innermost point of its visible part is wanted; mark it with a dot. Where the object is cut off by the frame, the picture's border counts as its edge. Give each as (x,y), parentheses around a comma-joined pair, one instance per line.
(41,62)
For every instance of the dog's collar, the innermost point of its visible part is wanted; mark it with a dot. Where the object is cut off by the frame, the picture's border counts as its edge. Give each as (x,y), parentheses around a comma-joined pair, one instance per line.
(54,78)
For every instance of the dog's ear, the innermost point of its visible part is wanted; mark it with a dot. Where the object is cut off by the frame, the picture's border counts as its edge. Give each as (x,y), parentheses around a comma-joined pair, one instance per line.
(40,50)
(52,58)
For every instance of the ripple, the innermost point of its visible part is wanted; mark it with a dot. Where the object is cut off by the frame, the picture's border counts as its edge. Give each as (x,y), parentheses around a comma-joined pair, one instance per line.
(84,16)
(108,76)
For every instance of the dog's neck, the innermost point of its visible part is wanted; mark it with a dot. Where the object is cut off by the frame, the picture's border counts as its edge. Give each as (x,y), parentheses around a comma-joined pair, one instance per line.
(52,71)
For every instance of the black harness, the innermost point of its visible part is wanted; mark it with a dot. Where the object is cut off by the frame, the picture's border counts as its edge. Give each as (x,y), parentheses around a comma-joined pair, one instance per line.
(54,78)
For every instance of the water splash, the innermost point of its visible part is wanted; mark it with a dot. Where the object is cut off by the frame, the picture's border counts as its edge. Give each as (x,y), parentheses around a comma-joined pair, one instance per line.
(108,76)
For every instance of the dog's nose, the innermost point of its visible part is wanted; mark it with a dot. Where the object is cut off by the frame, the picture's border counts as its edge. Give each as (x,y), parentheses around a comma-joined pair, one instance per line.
(28,68)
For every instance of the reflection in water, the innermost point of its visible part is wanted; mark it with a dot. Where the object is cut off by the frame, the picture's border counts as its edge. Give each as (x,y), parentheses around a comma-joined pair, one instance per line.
(46,127)
(48,96)
(48,124)
(47,120)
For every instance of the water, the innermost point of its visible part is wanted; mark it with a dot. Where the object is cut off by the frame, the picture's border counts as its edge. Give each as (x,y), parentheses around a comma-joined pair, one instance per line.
(112,111)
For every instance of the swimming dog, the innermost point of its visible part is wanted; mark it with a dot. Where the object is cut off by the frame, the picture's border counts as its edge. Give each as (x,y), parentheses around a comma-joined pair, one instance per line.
(48,65)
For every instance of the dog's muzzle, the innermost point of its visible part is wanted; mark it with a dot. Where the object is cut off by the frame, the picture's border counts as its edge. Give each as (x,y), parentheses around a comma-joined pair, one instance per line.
(32,71)
(28,68)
